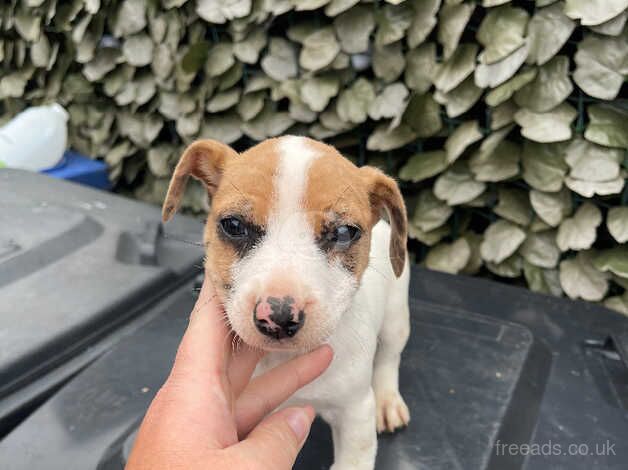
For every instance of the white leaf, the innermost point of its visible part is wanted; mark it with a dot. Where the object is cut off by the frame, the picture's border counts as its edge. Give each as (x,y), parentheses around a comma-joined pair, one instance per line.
(501,240)
(580,231)
(449,257)
(580,279)
(551,126)
(430,212)
(540,249)
(617,223)
(552,208)
(457,186)
(591,162)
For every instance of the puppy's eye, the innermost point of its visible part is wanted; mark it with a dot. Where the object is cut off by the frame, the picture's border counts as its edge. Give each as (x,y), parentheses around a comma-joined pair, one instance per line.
(234,227)
(343,236)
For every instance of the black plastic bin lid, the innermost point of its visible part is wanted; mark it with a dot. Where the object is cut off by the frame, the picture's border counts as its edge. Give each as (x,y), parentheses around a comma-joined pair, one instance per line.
(75,264)
(496,377)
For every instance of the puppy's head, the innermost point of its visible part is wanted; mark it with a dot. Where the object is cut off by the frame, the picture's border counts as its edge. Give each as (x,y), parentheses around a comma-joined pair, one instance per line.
(288,234)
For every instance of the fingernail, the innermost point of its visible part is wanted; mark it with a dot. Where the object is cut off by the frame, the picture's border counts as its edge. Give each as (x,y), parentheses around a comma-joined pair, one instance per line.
(299,422)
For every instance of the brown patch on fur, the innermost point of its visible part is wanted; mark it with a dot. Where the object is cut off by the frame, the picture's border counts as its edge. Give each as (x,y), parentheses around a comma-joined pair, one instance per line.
(203,160)
(385,195)
(336,194)
(246,189)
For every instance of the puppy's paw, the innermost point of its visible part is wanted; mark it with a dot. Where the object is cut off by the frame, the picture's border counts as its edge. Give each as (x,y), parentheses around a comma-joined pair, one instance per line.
(392,412)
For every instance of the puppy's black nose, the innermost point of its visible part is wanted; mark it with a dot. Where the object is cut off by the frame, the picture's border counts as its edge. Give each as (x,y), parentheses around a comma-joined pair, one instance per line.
(278,317)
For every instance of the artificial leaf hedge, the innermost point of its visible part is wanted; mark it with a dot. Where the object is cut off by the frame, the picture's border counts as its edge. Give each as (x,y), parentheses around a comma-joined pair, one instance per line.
(505,121)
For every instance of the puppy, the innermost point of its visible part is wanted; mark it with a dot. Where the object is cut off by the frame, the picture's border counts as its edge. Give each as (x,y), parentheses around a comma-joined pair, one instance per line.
(299,256)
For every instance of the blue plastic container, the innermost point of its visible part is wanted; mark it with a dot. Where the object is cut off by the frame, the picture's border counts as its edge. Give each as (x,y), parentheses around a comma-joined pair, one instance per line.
(80,169)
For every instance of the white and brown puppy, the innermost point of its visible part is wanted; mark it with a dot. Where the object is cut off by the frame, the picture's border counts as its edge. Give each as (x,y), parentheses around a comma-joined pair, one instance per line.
(299,257)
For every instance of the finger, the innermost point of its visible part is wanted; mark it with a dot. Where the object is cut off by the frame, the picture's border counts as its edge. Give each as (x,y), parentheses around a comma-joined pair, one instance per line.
(267,392)
(241,367)
(278,439)
(197,390)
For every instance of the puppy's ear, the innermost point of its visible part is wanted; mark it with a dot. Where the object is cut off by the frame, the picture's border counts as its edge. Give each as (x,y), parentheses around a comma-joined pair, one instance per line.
(203,160)
(384,194)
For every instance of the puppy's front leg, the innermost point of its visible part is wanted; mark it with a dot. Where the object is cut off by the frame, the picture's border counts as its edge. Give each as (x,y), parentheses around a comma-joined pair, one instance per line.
(354,434)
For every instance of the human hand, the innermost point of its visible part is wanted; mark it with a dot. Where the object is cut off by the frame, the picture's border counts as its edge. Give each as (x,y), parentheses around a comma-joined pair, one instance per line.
(209,414)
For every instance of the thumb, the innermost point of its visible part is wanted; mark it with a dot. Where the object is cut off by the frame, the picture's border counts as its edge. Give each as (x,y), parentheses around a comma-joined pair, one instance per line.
(277,440)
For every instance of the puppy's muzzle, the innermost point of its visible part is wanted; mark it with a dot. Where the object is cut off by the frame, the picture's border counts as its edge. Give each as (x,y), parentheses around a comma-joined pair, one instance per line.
(278,317)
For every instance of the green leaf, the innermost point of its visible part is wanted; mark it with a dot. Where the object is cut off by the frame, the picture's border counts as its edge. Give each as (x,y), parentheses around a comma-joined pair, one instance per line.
(552,126)
(335,7)
(509,268)
(601,66)
(495,74)
(594,12)
(423,165)
(429,238)
(430,212)
(474,240)
(219,11)
(614,260)
(384,138)
(617,223)
(465,134)
(319,49)
(248,49)
(501,32)
(354,102)
(251,105)
(388,62)
(545,281)
(457,186)
(220,59)
(223,101)
(27,25)
(306,5)
(280,61)
(579,232)
(498,164)
(423,115)
(607,125)
(390,102)
(268,123)
(458,67)
(580,279)
(544,166)
(590,188)
(514,205)
(501,240)
(550,87)
(423,21)
(354,28)
(461,99)
(540,249)
(421,67)
(591,162)
(506,90)
(449,257)
(392,23)
(612,27)
(317,91)
(618,303)
(552,208)
(548,32)
(503,115)
(453,19)
(130,18)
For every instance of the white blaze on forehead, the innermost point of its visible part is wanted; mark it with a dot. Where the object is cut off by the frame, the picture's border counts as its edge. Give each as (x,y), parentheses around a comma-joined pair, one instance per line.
(296,156)
(289,251)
